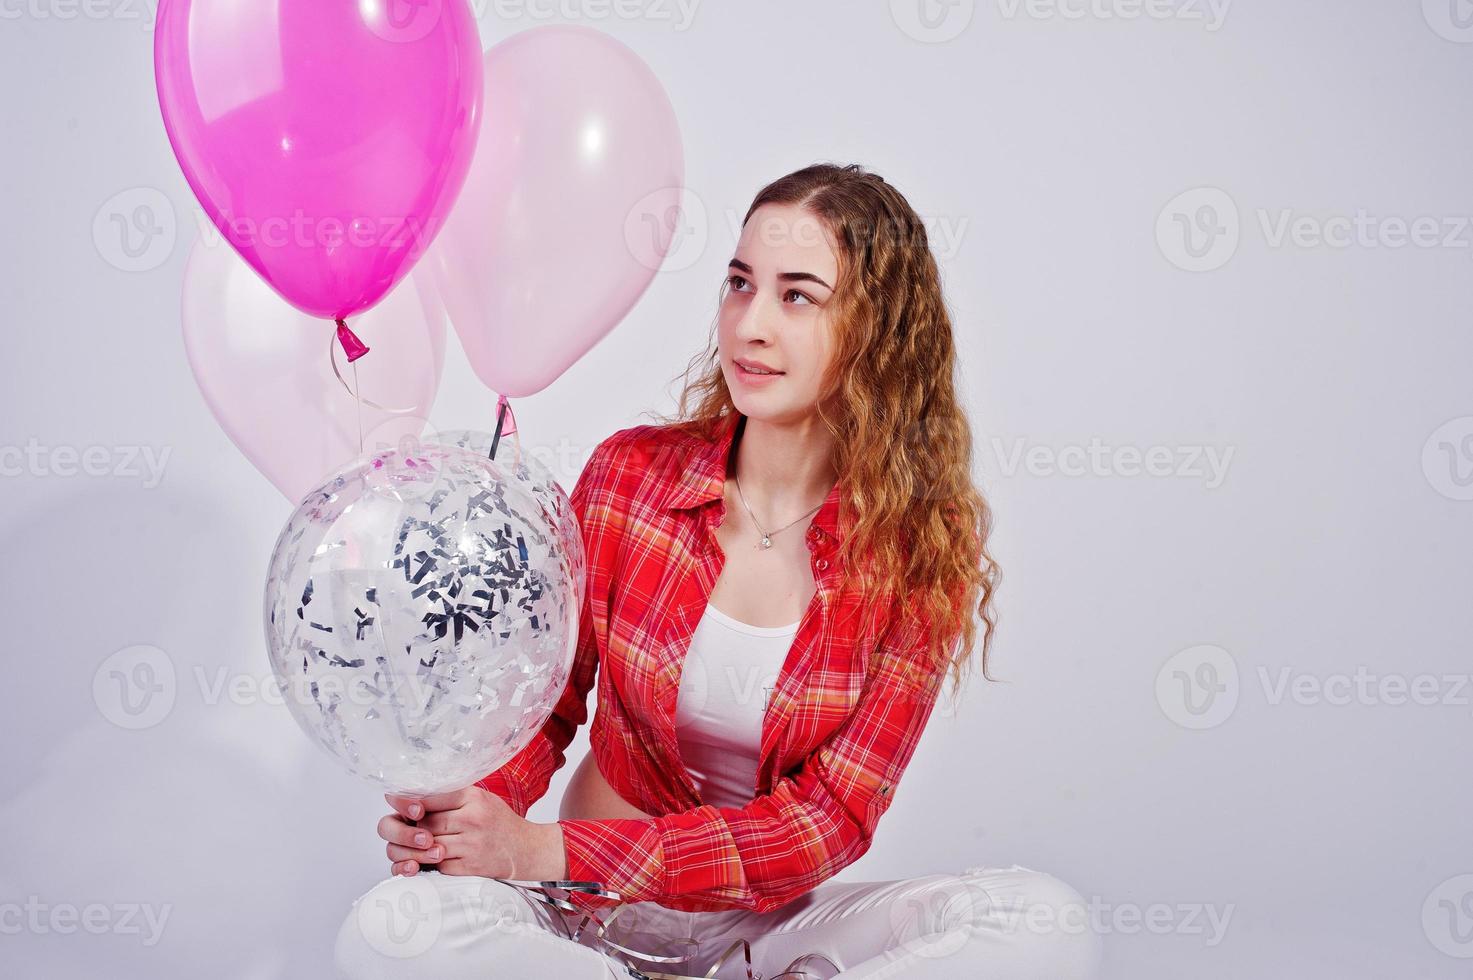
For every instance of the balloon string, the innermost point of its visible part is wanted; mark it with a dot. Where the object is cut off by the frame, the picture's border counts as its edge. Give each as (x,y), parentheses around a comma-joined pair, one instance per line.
(359,400)
(334,341)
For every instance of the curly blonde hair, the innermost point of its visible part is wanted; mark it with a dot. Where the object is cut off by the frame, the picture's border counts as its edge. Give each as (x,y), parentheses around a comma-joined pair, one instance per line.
(903,445)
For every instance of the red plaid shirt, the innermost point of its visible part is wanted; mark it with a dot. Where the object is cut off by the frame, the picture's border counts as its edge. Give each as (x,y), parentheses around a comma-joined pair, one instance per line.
(834,741)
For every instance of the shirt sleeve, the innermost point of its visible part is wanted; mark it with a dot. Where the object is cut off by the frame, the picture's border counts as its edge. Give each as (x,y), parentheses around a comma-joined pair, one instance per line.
(524,779)
(814,822)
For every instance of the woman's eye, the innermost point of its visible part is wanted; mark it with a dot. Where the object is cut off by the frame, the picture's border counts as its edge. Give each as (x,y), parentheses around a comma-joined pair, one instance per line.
(737,282)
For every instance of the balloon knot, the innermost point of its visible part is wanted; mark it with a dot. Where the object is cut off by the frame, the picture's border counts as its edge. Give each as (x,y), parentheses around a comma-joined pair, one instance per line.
(352,346)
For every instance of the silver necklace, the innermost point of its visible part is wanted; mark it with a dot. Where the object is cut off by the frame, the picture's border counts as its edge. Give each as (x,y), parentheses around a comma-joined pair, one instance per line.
(766,541)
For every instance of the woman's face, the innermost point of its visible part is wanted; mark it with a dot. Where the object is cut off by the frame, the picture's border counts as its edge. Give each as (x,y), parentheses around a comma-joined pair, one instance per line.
(776,313)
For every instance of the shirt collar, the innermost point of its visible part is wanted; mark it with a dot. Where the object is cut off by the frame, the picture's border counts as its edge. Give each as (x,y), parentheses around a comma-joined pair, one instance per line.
(703,480)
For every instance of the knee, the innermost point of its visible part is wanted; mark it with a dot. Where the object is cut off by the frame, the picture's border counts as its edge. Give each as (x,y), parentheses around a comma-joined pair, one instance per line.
(387,928)
(1045,919)
(424,925)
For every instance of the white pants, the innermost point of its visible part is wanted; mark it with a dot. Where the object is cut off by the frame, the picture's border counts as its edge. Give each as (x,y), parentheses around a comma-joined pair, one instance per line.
(995,923)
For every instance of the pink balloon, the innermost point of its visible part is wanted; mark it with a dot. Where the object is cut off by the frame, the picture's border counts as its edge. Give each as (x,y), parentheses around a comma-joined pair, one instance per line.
(265,372)
(326,139)
(568,210)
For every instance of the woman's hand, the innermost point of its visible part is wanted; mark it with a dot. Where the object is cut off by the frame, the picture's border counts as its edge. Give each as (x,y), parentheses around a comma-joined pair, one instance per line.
(470,832)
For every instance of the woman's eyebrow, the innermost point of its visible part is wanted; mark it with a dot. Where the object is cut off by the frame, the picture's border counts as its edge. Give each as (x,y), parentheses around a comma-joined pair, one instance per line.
(741,266)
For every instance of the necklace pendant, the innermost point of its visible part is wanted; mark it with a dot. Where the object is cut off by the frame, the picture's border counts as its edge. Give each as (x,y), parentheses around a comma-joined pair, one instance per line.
(766,541)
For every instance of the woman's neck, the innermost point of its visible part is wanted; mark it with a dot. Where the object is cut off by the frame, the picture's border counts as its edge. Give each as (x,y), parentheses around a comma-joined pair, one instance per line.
(785,469)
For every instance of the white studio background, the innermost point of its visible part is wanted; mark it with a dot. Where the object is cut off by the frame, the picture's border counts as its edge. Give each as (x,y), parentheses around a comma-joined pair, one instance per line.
(1209,264)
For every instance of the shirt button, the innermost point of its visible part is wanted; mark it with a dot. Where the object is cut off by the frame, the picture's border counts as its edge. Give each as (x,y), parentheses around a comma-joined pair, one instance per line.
(821,564)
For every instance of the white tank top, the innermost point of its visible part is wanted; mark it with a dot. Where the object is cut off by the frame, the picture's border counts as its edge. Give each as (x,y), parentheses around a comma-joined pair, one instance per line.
(725,685)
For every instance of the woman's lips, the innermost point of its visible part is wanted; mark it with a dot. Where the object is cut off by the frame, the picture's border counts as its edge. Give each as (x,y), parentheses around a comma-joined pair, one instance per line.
(751,378)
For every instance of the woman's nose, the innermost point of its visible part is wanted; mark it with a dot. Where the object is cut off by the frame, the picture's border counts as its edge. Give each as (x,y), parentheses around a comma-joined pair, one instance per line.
(754,322)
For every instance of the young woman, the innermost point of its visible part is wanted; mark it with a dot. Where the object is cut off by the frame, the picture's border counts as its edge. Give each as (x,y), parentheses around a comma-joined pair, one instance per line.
(779,582)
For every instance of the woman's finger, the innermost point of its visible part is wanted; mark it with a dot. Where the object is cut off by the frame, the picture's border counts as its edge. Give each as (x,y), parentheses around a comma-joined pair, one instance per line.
(429,855)
(394,830)
(441,822)
(404,806)
(447,801)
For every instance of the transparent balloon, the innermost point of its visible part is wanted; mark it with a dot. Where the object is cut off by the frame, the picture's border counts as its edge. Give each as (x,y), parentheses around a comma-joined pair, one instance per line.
(421,614)
(538,479)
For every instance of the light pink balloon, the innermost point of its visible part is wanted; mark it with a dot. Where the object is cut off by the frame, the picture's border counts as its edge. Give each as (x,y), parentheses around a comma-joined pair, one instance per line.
(326,139)
(569,207)
(265,372)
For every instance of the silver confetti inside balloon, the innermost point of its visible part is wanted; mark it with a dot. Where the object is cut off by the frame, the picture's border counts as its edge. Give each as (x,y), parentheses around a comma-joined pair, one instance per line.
(421,614)
(538,479)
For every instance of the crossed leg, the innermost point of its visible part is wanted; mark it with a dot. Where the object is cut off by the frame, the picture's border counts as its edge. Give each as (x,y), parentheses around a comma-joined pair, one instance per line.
(457,927)
(999,923)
